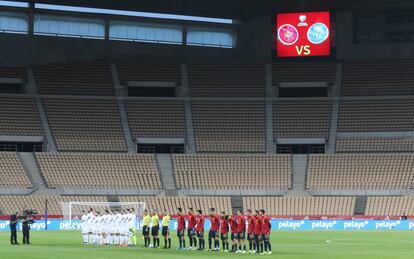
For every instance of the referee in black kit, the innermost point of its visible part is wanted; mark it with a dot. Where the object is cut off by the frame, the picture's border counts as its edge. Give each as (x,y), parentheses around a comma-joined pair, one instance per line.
(14,219)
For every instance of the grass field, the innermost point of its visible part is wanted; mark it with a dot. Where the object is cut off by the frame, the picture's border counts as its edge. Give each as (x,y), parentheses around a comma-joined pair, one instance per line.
(290,245)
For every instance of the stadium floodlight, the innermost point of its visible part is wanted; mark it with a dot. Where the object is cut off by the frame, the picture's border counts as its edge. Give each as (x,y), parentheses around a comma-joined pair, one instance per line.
(14,4)
(133,13)
(73,210)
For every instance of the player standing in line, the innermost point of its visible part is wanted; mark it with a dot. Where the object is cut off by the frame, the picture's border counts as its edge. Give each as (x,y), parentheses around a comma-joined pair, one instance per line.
(83,227)
(233,228)
(191,231)
(91,219)
(145,228)
(181,228)
(224,232)
(155,229)
(105,228)
(213,234)
(250,234)
(266,232)
(165,229)
(132,231)
(241,232)
(200,229)
(258,232)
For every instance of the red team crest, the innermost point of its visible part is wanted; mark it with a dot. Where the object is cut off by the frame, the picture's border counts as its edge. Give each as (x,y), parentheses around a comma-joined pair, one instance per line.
(303,34)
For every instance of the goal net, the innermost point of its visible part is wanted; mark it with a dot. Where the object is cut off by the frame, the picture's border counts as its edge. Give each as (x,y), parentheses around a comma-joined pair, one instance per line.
(72,211)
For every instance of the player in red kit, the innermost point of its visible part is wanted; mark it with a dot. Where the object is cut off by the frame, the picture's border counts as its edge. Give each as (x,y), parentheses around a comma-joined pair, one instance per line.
(200,229)
(266,232)
(250,234)
(181,228)
(258,232)
(241,231)
(213,234)
(233,228)
(191,232)
(224,231)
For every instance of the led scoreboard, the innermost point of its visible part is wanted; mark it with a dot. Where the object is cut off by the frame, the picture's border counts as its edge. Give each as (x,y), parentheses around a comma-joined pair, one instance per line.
(303,34)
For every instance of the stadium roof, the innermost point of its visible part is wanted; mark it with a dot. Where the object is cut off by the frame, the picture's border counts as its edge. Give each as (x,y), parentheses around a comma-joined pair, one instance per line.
(234,9)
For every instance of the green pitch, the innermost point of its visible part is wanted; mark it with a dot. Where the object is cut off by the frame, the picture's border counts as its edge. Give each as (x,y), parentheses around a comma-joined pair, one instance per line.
(290,245)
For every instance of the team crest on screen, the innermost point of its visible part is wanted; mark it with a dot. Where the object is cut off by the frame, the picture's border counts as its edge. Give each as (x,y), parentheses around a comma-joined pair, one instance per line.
(318,33)
(288,34)
(302,19)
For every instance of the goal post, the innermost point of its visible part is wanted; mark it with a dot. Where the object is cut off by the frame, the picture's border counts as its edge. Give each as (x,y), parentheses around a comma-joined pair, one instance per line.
(73,210)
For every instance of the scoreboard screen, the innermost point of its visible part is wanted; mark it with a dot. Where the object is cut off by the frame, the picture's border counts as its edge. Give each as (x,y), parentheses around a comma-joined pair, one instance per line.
(303,34)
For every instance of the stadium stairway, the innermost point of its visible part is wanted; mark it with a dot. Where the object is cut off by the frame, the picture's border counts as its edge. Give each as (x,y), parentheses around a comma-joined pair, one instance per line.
(165,167)
(360,205)
(29,163)
(120,90)
(270,143)
(299,168)
(191,148)
(47,132)
(236,203)
(184,90)
(125,126)
(335,93)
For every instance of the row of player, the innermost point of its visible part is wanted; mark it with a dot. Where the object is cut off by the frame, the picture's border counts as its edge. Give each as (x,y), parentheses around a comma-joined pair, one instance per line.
(257,227)
(110,228)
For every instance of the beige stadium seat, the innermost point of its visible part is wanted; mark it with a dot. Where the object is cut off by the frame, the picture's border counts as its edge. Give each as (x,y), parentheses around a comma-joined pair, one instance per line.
(376,115)
(389,206)
(244,171)
(156,118)
(379,77)
(360,171)
(9,203)
(93,78)
(149,71)
(229,126)
(301,206)
(302,118)
(221,79)
(12,173)
(19,116)
(303,72)
(375,145)
(85,124)
(170,204)
(99,170)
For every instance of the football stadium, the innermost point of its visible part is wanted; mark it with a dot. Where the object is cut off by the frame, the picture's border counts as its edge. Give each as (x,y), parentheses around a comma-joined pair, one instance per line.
(190,128)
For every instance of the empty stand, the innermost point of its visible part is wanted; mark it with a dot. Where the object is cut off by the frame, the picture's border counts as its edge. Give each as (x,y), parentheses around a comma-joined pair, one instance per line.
(149,71)
(229,126)
(19,116)
(99,171)
(170,204)
(360,172)
(375,145)
(92,78)
(156,118)
(85,124)
(244,171)
(379,77)
(287,206)
(303,72)
(13,72)
(302,118)
(376,115)
(227,79)
(9,203)
(12,173)
(389,205)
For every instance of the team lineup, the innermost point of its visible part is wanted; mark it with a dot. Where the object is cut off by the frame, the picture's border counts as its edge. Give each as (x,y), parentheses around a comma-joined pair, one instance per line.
(118,228)
(258,231)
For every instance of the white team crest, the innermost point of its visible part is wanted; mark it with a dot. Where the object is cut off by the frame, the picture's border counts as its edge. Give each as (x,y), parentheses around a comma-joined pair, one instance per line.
(302,19)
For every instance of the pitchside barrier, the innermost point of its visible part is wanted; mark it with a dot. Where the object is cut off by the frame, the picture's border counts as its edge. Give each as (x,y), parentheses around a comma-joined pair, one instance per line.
(287,225)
